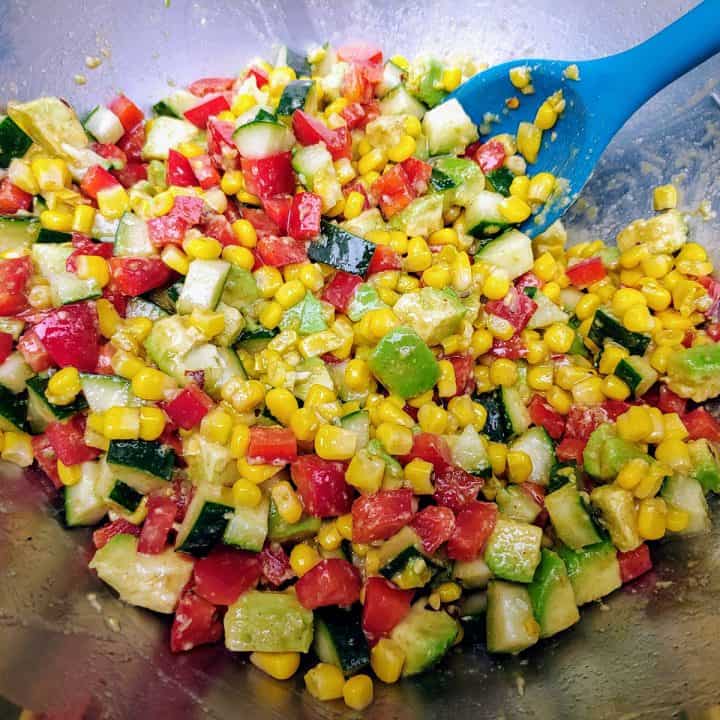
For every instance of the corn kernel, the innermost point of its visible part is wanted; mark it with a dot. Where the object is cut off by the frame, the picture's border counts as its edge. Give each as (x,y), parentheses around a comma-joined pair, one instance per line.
(546,117)
(587,305)
(278,665)
(419,257)
(375,160)
(403,150)
(496,286)
(152,423)
(64,386)
(635,425)
(545,267)
(529,139)
(358,692)
(651,518)
(451,78)
(541,187)
(559,337)
(203,248)
(334,443)
(68,474)
(151,384)
(497,454)
(674,453)
(418,474)
(412,126)
(615,388)
(56,220)
(665,197)
(432,418)
(396,439)
(560,399)
(449,592)
(673,427)
(287,502)
(175,259)
(519,466)
(325,682)
(113,202)
(121,423)
(303,558)
(387,659)
(632,473)
(51,174)
(446,236)
(676,520)
(246,493)
(503,372)
(520,187)
(520,76)
(540,377)
(638,319)
(515,210)
(93,267)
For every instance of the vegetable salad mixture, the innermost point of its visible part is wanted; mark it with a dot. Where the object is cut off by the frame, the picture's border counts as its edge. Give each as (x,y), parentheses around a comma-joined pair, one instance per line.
(284,343)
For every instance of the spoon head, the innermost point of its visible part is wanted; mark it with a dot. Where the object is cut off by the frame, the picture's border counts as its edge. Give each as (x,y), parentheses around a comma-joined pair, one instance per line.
(569,150)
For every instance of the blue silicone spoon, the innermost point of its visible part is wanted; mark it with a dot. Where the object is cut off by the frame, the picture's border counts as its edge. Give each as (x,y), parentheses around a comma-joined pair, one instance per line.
(609,91)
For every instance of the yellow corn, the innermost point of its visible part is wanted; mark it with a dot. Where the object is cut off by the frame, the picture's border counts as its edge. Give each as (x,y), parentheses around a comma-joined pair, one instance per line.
(451,78)
(374,160)
(151,384)
(418,474)
(121,423)
(446,385)
(396,439)
(51,174)
(279,665)
(113,202)
(365,472)
(588,391)
(152,423)
(546,117)
(204,248)
(449,592)
(69,474)
(676,520)
(387,659)
(503,372)
(541,187)
(446,236)
(358,692)
(303,557)
(651,518)
(632,473)
(665,197)
(257,474)
(325,682)
(334,443)
(287,502)
(175,259)
(64,386)
(56,220)
(304,424)
(246,493)
(217,426)
(673,427)
(126,365)
(419,257)
(239,441)
(209,323)
(520,76)
(559,337)
(432,418)
(635,425)
(496,285)
(519,466)
(412,126)
(16,448)
(674,453)
(497,454)
(529,139)
(638,319)
(93,267)
(515,210)
(615,388)
(520,187)
(243,395)
(560,399)
(403,150)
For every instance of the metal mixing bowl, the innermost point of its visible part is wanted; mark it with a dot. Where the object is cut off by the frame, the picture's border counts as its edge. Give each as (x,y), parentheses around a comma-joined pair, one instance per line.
(67,644)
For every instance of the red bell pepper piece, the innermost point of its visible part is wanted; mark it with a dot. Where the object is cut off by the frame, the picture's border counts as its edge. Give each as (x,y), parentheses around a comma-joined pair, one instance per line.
(34,352)
(615,408)
(634,563)
(543,415)
(701,424)
(278,210)
(358,115)
(384,258)
(161,513)
(132,142)
(188,208)
(102,536)
(380,515)
(384,607)
(431,448)
(129,114)
(189,407)
(474,525)
(490,156)
(138,275)
(418,174)
(570,448)
(68,441)
(392,191)
(85,246)
(14,276)
(340,290)
(516,307)
(12,198)
(46,458)
(434,525)
(263,224)
(272,446)
(305,216)
(310,131)
(202,112)
(209,85)
(463,365)
(217,226)
(196,622)
(205,172)
(132,173)
(179,171)
(167,230)
(528,279)
(514,348)
(261,76)
(279,251)
(330,582)
(221,146)
(269,176)
(225,574)
(70,335)
(455,488)
(6,346)
(96,179)
(275,565)
(321,486)
(586,272)
(582,420)
(115,154)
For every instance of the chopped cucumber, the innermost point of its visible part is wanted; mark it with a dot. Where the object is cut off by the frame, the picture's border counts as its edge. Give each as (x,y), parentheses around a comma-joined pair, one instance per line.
(205,521)
(637,373)
(512,252)
(105,391)
(297,95)
(41,412)
(175,104)
(511,626)
(248,527)
(594,571)
(469,451)
(261,139)
(144,465)
(140,307)
(104,125)
(618,515)
(14,142)
(14,373)
(570,518)
(339,638)
(552,596)
(513,550)
(17,233)
(399,101)
(126,497)
(85,502)
(341,249)
(165,134)
(203,286)
(537,444)
(132,237)
(515,503)
(281,531)
(13,411)
(686,493)
(606,327)
(66,287)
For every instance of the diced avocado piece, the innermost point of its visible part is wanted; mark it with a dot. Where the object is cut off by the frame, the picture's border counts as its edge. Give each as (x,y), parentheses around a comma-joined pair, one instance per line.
(515,503)
(281,531)
(594,571)
(686,493)
(425,636)
(433,314)
(366,298)
(513,550)
(425,81)
(339,638)
(570,518)
(511,626)
(421,217)
(695,372)
(208,462)
(552,595)
(663,233)
(706,465)
(366,221)
(449,129)
(404,364)
(264,621)
(605,453)
(150,581)
(312,371)
(466,177)
(617,507)
(306,317)
(472,574)
(240,290)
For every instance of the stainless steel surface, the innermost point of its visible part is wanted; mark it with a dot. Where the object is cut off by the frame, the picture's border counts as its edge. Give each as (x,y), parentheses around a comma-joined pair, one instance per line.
(648,651)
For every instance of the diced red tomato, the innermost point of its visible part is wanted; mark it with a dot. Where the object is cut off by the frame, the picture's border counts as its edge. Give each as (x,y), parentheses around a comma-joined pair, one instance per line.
(279,251)
(434,525)
(6,346)
(14,276)
(34,352)
(85,246)
(528,279)
(688,338)
(167,230)
(217,226)
(113,295)
(305,216)
(384,607)
(205,172)
(542,414)
(455,488)
(269,176)
(70,335)
(431,448)
(189,407)
(188,208)
(179,171)
(132,142)
(615,408)
(137,275)
(490,156)
(232,213)
(103,535)
(340,290)
(516,307)
(278,210)
(275,565)
(669,402)
(272,445)
(225,574)
(357,115)
(474,525)
(357,83)
(221,146)
(96,179)
(261,77)
(132,173)
(46,457)
(586,272)
(129,114)
(310,131)
(582,420)
(263,224)
(360,52)
(196,622)
(418,174)
(570,448)
(713,331)
(713,288)
(384,258)
(206,86)
(12,198)
(321,486)
(111,152)
(464,379)
(68,441)
(701,424)
(392,191)
(514,348)
(104,364)
(201,113)
(161,513)
(634,563)
(330,582)
(380,515)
